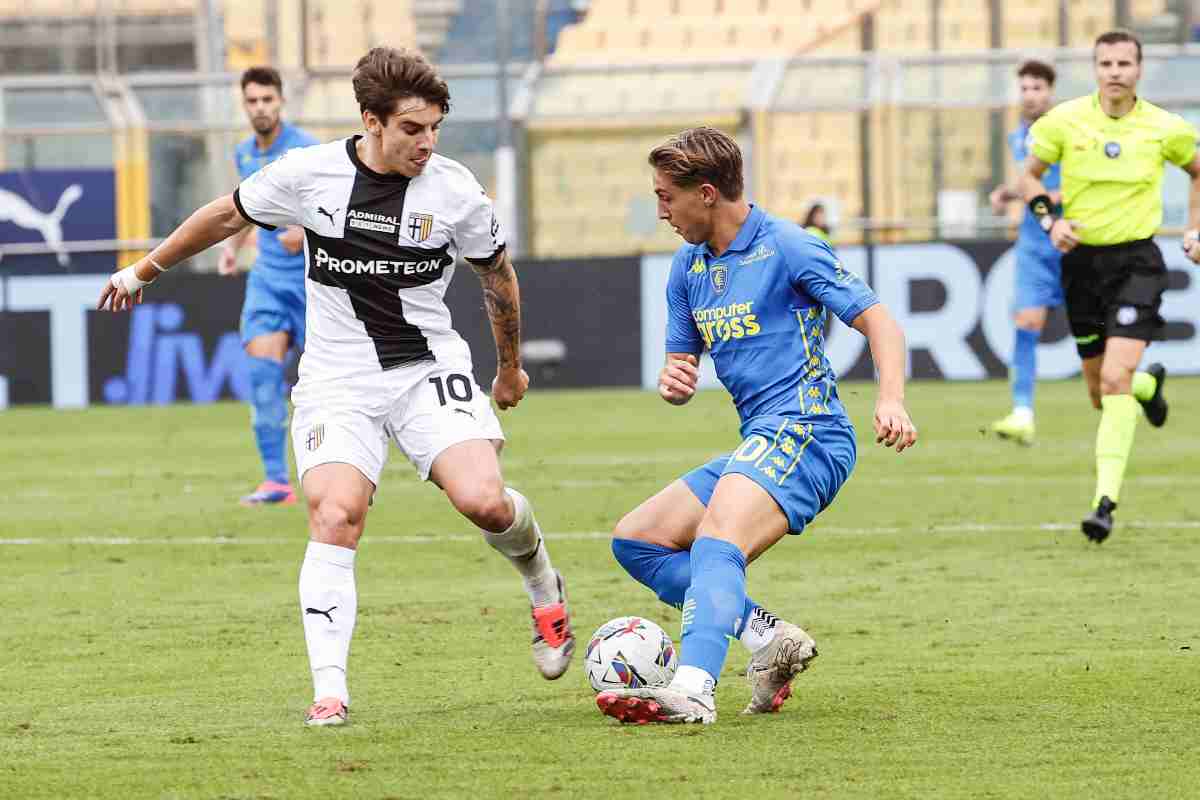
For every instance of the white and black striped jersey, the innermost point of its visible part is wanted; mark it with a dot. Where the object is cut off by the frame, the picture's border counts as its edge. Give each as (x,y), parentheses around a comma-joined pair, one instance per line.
(379,252)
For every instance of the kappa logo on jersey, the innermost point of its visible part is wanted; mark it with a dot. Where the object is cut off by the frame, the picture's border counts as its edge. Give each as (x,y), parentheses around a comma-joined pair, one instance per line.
(719,274)
(698,267)
(419,226)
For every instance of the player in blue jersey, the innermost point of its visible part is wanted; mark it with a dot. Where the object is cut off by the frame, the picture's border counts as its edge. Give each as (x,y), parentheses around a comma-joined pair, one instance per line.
(273,313)
(753,290)
(1039,274)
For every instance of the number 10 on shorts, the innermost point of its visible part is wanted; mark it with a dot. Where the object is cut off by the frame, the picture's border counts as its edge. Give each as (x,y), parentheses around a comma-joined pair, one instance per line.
(457,386)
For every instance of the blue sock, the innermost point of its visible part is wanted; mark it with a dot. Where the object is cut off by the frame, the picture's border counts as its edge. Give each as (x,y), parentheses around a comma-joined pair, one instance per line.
(1024,368)
(268,416)
(664,571)
(712,604)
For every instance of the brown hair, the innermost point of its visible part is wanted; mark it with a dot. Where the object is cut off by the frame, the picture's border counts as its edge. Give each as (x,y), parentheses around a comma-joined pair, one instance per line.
(387,74)
(1037,69)
(701,155)
(1116,37)
(263,76)
(811,216)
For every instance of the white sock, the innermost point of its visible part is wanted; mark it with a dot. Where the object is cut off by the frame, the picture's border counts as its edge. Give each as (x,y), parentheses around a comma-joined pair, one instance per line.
(328,606)
(759,631)
(1023,413)
(522,544)
(692,680)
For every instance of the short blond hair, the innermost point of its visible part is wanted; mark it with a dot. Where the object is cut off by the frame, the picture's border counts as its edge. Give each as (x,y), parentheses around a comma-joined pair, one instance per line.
(701,155)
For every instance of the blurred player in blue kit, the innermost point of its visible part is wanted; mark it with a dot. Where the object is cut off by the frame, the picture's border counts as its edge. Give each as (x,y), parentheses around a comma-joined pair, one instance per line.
(1038,285)
(753,290)
(273,313)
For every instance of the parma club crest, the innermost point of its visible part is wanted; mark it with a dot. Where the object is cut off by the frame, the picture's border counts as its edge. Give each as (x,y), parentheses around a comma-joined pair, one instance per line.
(419,226)
(316,435)
(719,275)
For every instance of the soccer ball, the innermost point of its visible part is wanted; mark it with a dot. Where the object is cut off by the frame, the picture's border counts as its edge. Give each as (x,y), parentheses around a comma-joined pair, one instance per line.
(629,653)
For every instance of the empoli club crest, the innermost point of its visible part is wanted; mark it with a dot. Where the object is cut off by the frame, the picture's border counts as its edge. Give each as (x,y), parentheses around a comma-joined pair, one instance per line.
(719,274)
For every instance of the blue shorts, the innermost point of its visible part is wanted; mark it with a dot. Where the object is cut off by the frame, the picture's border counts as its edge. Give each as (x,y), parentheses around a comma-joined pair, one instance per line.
(1038,279)
(801,465)
(272,306)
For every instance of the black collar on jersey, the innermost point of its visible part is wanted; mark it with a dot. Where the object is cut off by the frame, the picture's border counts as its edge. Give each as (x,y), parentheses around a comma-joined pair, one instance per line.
(352,151)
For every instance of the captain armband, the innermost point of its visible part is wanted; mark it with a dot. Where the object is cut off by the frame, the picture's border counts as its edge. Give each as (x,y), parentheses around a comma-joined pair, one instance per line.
(1043,210)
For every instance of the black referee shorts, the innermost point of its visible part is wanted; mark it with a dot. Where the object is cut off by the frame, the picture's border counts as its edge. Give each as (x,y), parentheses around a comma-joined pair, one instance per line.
(1114,290)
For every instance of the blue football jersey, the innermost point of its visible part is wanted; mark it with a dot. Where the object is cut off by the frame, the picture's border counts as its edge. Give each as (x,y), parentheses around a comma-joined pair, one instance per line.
(759,309)
(1031,233)
(274,261)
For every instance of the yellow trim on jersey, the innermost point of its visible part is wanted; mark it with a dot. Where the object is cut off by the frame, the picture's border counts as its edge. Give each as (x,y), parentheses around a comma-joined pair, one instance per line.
(796,460)
(1112,169)
(804,336)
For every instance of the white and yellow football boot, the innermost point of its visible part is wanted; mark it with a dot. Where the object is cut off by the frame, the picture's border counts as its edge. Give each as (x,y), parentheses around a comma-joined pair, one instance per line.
(1016,427)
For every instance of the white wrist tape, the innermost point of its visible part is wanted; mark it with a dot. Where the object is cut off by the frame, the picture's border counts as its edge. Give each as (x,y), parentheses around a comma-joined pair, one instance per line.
(128,280)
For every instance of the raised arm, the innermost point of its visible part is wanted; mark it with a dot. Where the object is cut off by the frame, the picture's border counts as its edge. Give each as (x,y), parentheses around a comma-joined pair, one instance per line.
(208,225)
(502,298)
(893,427)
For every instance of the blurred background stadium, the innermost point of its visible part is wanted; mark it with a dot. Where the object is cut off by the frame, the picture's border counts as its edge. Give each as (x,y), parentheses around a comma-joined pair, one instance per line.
(891,112)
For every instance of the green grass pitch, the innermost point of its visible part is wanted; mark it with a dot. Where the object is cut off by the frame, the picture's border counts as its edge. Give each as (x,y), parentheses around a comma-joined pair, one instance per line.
(973,643)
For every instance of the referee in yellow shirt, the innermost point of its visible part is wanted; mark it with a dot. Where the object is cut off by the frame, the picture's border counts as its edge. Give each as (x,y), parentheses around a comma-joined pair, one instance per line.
(1111,146)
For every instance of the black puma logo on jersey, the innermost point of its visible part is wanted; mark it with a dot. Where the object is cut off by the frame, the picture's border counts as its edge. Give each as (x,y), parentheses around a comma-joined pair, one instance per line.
(325,613)
(329,214)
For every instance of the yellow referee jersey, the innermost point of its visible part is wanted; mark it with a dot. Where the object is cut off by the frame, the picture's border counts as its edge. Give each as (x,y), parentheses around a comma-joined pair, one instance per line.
(1112,169)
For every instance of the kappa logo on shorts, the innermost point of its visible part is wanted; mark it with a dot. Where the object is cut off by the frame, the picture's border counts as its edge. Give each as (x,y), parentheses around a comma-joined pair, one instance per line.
(1127,315)
(316,435)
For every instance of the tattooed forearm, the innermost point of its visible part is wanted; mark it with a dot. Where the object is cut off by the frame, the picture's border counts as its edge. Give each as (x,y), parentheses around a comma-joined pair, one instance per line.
(502,298)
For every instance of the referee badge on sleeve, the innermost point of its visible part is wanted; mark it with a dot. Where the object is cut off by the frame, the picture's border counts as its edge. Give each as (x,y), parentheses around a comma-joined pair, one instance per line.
(1112,149)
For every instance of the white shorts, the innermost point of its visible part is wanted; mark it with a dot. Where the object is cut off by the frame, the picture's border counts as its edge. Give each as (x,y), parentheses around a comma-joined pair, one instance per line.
(424,407)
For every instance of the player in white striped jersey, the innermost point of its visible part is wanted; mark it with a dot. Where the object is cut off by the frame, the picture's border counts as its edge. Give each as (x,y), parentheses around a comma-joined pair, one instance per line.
(385,219)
